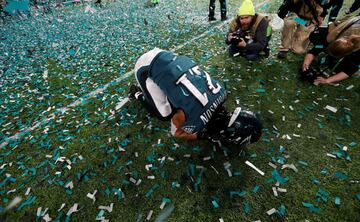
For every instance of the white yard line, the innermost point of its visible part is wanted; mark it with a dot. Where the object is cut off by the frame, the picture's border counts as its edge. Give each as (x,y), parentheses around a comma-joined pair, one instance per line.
(92,94)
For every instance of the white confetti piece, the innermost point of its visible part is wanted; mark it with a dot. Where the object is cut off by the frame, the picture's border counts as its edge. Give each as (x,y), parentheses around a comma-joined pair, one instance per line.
(275,128)
(282,190)
(272,165)
(290,166)
(38,212)
(69,185)
(148,166)
(274,191)
(229,172)
(162,205)
(47,218)
(13,203)
(28,191)
(72,209)
(217,172)
(254,167)
(332,109)
(45,74)
(349,87)
(61,207)
(107,208)
(331,155)
(132,180)
(121,103)
(271,211)
(92,196)
(207,158)
(148,217)
(11,191)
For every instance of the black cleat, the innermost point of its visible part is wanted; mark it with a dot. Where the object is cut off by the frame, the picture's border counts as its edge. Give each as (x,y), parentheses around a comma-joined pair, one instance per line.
(134,92)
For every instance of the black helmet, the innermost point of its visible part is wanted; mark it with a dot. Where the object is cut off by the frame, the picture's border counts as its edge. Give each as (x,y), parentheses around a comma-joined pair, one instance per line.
(243,127)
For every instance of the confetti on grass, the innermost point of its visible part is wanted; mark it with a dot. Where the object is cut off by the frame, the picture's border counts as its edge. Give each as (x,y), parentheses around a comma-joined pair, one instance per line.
(311,207)
(80,65)
(165,213)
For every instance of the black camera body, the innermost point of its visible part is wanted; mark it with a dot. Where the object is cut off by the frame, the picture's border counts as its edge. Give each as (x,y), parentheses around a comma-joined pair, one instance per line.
(238,36)
(310,75)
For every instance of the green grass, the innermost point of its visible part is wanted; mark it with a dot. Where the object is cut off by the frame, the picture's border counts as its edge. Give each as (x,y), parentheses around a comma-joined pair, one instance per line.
(92,131)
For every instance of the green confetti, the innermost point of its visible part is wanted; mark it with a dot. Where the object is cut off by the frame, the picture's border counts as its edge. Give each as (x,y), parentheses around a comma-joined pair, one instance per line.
(246,208)
(337,200)
(311,207)
(260,90)
(256,189)
(215,204)
(279,178)
(339,175)
(30,200)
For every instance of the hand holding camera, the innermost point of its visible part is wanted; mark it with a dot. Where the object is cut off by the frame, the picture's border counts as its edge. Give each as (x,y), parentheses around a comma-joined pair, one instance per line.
(237,38)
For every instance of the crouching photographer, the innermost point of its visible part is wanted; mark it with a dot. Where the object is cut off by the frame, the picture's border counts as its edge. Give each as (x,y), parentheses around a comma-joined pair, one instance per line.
(341,44)
(249,33)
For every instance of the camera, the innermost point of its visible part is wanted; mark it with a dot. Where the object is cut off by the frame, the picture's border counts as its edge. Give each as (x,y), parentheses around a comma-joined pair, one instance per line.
(238,36)
(310,75)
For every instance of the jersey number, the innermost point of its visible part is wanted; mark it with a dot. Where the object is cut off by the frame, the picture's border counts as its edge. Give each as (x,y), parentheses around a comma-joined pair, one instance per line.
(202,97)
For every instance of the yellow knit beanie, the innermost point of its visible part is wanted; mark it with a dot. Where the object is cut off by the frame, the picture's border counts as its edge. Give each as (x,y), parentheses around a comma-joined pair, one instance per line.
(246,8)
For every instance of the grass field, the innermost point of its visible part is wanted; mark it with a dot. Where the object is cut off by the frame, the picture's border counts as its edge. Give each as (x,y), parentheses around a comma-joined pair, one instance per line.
(91,161)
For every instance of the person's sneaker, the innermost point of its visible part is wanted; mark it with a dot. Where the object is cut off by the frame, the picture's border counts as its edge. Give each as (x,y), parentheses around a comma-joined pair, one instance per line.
(282,54)
(134,92)
(212,19)
(224,18)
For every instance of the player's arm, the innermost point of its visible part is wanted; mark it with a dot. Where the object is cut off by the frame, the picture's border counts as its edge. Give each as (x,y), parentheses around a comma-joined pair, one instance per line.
(177,121)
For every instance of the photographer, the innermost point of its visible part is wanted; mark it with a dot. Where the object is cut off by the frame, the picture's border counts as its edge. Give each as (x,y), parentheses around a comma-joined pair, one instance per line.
(249,33)
(298,24)
(341,42)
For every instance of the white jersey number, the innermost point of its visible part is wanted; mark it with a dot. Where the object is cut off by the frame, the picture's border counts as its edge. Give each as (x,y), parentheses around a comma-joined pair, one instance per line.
(202,97)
